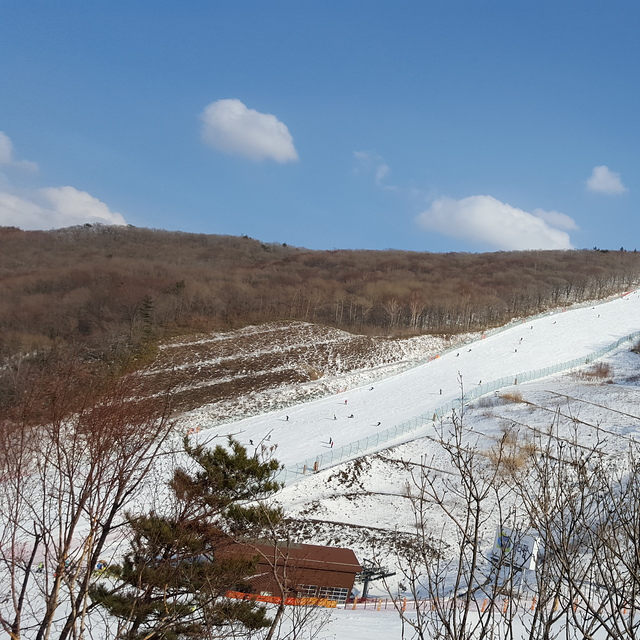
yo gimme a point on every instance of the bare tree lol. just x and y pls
(79, 450)
(586, 506)
(447, 571)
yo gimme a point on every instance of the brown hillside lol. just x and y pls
(117, 289)
(257, 369)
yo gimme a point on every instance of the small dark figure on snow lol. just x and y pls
(345, 401)
(440, 391)
(351, 416)
(457, 354)
(287, 417)
(334, 416)
(378, 424)
(251, 442)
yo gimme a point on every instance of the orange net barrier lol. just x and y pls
(298, 602)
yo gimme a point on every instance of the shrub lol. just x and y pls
(513, 396)
(511, 454)
(599, 371)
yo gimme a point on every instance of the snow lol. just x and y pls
(533, 344)
(362, 624)
(371, 497)
(368, 495)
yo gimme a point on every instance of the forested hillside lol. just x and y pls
(116, 289)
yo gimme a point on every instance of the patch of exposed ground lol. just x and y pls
(226, 376)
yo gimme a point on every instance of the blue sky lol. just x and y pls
(427, 126)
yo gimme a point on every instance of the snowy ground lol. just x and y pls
(357, 503)
(221, 377)
(306, 430)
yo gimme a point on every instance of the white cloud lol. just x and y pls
(556, 219)
(49, 208)
(603, 180)
(6, 149)
(375, 164)
(6, 155)
(230, 127)
(382, 172)
(53, 208)
(483, 219)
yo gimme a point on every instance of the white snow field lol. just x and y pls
(532, 344)
(305, 431)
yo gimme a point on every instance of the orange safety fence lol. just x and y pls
(298, 602)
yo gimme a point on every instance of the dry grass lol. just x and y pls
(600, 371)
(511, 454)
(509, 434)
(513, 396)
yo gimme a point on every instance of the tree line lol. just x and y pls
(117, 289)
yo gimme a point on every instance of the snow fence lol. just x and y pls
(370, 443)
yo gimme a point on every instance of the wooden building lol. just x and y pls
(299, 570)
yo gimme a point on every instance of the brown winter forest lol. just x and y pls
(114, 290)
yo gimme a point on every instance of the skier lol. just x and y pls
(345, 401)
(287, 417)
(440, 391)
(334, 416)
(351, 416)
(251, 442)
(378, 424)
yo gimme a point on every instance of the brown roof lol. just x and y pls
(303, 556)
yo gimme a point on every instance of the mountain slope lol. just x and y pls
(363, 502)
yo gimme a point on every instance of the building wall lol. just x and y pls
(314, 583)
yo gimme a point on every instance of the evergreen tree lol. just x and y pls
(172, 583)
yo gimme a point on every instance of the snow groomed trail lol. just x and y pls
(305, 432)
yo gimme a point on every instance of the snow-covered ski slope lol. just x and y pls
(305, 431)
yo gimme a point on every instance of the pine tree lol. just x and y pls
(173, 580)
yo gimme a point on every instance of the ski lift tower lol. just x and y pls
(370, 572)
